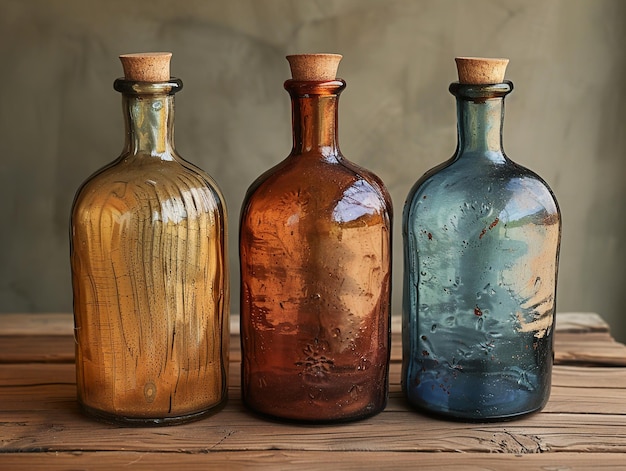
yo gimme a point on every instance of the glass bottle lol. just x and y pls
(481, 244)
(315, 269)
(149, 269)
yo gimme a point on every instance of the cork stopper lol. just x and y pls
(147, 66)
(314, 67)
(480, 71)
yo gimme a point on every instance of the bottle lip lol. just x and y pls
(314, 87)
(133, 87)
(472, 91)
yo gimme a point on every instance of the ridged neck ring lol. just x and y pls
(472, 92)
(303, 88)
(131, 87)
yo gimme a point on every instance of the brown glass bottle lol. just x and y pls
(149, 271)
(315, 271)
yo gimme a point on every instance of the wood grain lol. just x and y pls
(582, 427)
(346, 461)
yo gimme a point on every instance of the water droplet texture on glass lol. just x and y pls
(481, 241)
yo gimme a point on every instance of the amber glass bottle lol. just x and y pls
(315, 269)
(149, 270)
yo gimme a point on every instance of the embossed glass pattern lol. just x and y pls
(148, 235)
(481, 242)
(315, 275)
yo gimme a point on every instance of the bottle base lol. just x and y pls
(472, 417)
(115, 419)
(473, 395)
(282, 418)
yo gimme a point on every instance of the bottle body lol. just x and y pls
(315, 285)
(149, 274)
(481, 241)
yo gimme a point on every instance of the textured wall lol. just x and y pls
(60, 119)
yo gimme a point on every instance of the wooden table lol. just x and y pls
(41, 427)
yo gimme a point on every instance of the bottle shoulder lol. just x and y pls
(141, 183)
(339, 189)
(326, 178)
(507, 188)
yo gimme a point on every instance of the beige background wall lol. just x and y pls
(60, 119)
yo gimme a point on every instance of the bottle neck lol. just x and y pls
(149, 117)
(314, 117)
(480, 116)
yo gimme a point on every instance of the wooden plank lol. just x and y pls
(42, 374)
(598, 349)
(562, 376)
(580, 322)
(594, 348)
(36, 374)
(586, 329)
(585, 377)
(575, 389)
(63, 428)
(44, 349)
(38, 411)
(587, 401)
(309, 461)
(38, 399)
(59, 323)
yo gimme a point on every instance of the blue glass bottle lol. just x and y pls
(481, 242)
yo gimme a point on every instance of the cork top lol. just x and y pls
(480, 70)
(147, 66)
(314, 67)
